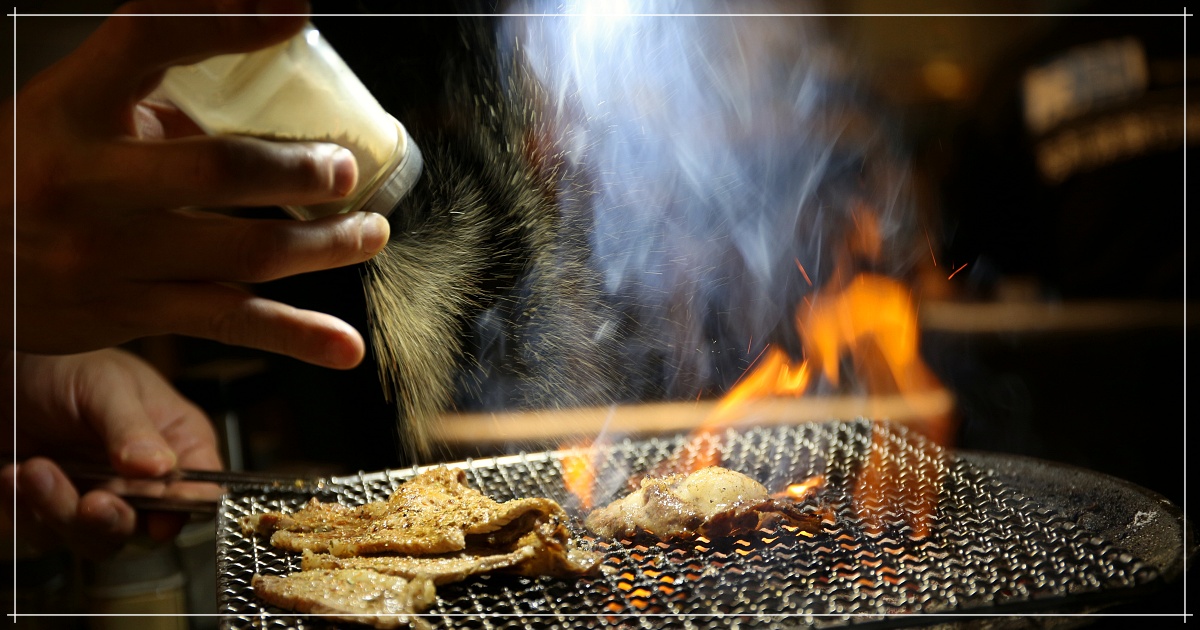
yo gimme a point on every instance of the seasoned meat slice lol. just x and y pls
(355, 595)
(555, 553)
(432, 513)
(370, 563)
(439, 569)
(714, 502)
(545, 550)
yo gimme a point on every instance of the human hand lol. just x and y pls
(108, 408)
(109, 245)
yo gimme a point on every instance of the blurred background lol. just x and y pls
(1047, 158)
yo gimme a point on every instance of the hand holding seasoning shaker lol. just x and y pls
(111, 239)
(301, 90)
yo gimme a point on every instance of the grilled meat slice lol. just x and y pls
(714, 502)
(432, 513)
(448, 531)
(355, 595)
(439, 569)
(544, 550)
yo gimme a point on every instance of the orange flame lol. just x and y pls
(868, 318)
(873, 320)
(775, 375)
(805, 489)
(579, 474)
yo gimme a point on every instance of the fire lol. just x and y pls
(863, 320)
(579, 475)
(873, 320)
(867, 317)
(775, 374)
(805, 489)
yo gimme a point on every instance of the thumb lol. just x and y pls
(141, 454)
(135, 446)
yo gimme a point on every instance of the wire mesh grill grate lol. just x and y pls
(906, 528)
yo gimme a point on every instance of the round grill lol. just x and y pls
(906, 528)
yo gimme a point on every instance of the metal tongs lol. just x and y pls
(202, 495)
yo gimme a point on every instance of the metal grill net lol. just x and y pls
(989, 548)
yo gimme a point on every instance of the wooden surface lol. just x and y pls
(1036, 317)
(582, 423)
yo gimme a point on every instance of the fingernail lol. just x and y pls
(105, 514)
(342, 352)
(345, 171)
(375, 232)
(149, 456)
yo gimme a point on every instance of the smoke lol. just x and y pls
(626, 207)
(725, 153)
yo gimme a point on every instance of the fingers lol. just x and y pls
(135, 445)
(25, 528)
(124, 57)
(218, 171)
(234, 317)
(50, 513)
(147, 426)
(95, 524)
(159, 120)
(194, 246)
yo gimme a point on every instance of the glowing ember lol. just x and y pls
(805, 489)
(803, 272)
(881, 488)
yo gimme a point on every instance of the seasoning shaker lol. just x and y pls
(301, 90)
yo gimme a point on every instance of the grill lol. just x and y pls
(1008, 536)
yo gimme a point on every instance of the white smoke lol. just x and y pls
(725, 149)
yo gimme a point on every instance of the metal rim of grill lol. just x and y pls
(1008, 535)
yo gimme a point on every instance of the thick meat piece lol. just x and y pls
(432, 513)
(355, 595)
(714, 502)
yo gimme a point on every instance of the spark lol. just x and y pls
(930, 243)
(757, 357)
(803, 272)
(750, 368)
(956, 271)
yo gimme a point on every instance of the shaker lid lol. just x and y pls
(400, 181)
